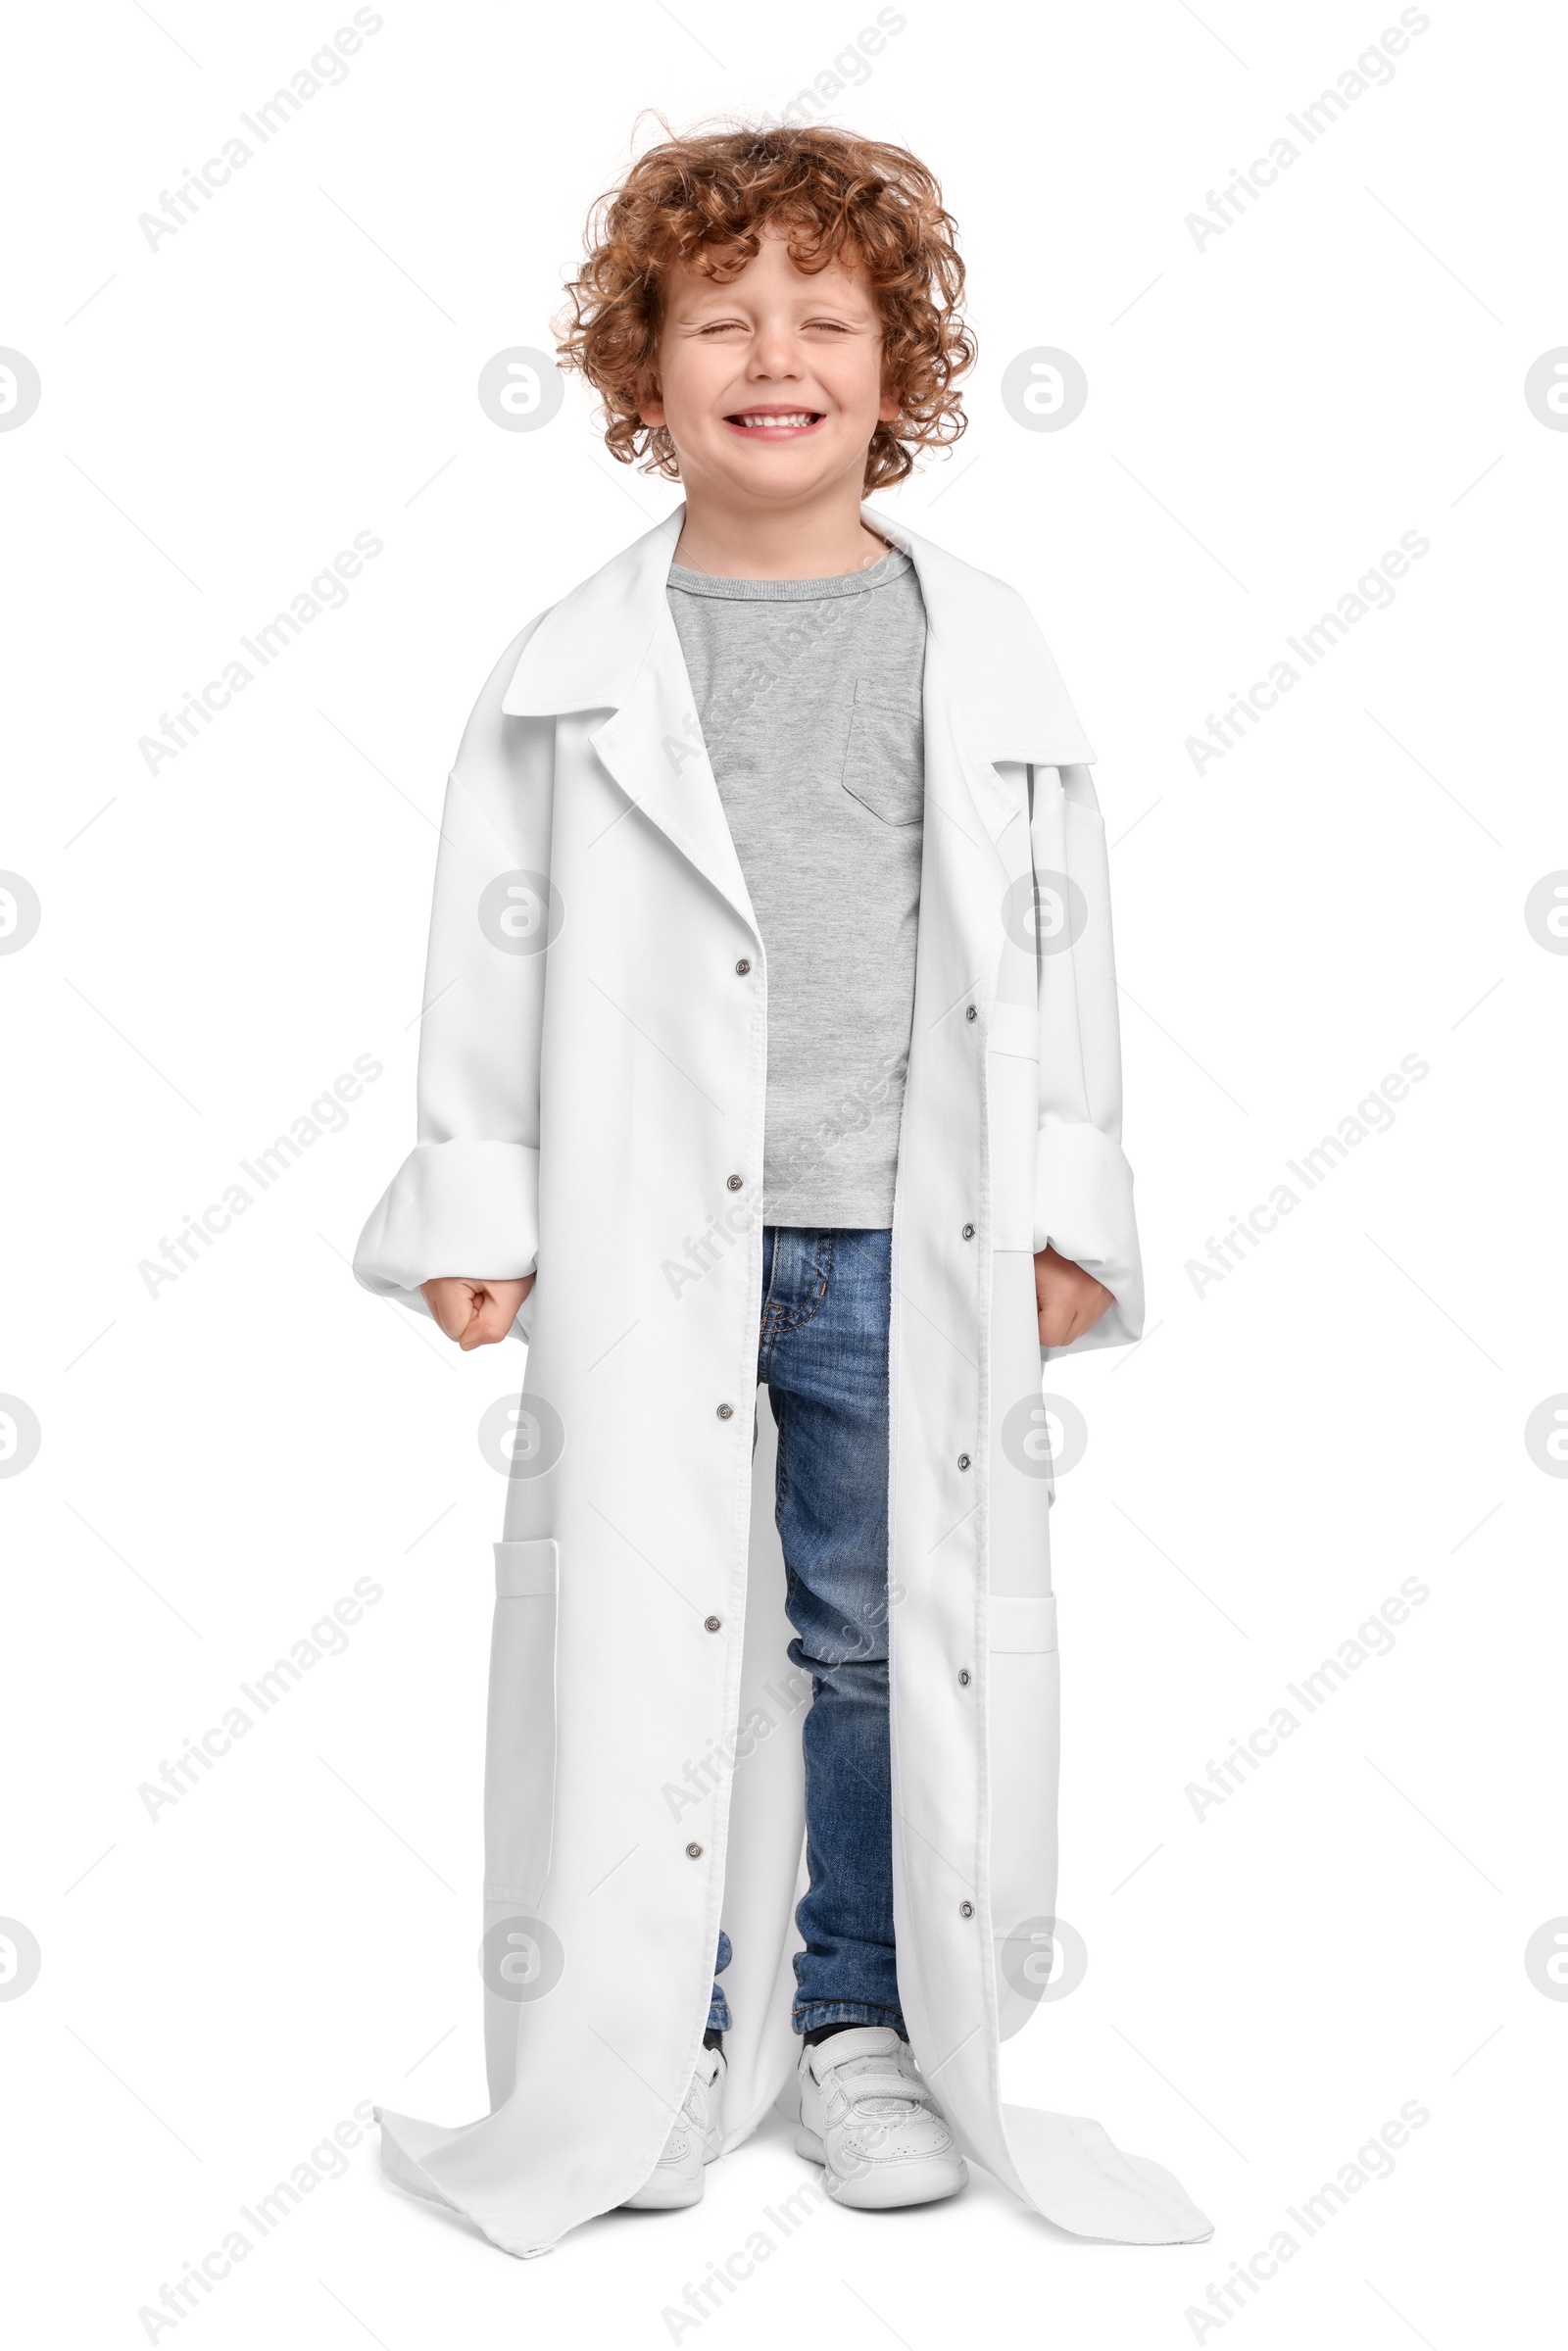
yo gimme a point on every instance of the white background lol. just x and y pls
(219, 1462)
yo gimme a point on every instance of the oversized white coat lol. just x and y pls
(592, 1075)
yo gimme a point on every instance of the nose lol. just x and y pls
(776, 353)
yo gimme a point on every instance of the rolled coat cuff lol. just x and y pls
(463, 1207)
(1084, 1209)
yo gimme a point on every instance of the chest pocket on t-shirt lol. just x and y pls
(884, 758)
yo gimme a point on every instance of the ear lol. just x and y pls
(646, 392)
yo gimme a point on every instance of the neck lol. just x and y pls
(813, 540)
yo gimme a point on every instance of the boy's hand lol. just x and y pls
(1069, 1300)
(472, 1312)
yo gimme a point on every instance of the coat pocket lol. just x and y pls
(1025, 1745)
(520, 1766)
(884, 757)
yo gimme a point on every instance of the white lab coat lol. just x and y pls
(592, 1072)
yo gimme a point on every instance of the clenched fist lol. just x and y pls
(473, 1313)
(1069, 1300)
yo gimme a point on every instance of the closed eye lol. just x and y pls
(720, 326)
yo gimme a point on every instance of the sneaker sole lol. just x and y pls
(925, 2181)
(670, 2193)
(666, 2195)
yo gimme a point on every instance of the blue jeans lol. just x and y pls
(822, 1348)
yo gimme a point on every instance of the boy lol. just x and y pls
(770, 1041)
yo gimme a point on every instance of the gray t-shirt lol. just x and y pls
(808, 696)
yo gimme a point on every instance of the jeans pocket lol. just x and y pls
(884, 757)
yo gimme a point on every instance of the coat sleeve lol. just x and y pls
(466, 1201)
(1082, 1184)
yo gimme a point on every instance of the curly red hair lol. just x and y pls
(703, 200)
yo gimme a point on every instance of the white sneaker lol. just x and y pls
(677, 2177)
(872, 2124)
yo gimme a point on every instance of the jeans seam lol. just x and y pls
(824, 1263)
(764, 1335)
(781, 1471)
(783, 1319)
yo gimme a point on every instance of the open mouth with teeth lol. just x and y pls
(774, 423)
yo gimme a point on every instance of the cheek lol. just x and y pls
(692, 381)
(858, 382)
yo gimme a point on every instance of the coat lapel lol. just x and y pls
(611, 646)
(992, 690)
(992, 687)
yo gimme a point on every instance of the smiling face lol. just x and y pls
(770, 386)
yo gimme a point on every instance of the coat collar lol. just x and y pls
(990, 695)
(588, 651)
